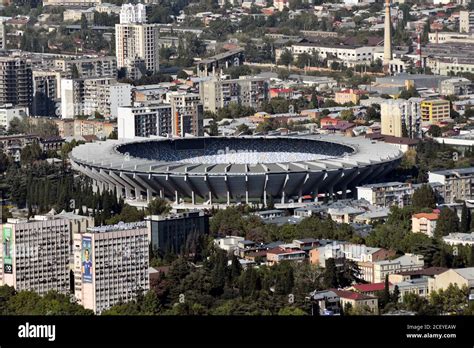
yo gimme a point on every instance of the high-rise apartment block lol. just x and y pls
(111, 265)
(35, 254)
(88, 96)
(188, 114)
(248, 91)
(46, 92)
(130, 13)
(144, 121)
(137, 48)
(401, 118)
(15, 81)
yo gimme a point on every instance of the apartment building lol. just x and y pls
(111, 265)
(457, 184)
(88, 96)
(8, 112)
(79, 127)
(175, 233)
(349, 96)
(348, 55)
(137, 47)
(75, 14)
(144, 121)
(357, 300)
(459, 238)
(456, 86)
(466, 21)
(277, 255)
(15, 81)
(386, 194)
(401, 118)
(407, 262)
(449, 65)
(434, 111)
(72, 3)
(46, 92)
(130, 13)
(188, 114)
(86, 67)
(424, 223)
(3, 37)
(459, 276)
(35, 254)
(217, 93)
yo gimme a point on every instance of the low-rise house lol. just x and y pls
(459, 238)
(229, 243)
(349, 96)
(458, 276)
(278, 255)
(370, 289)
(345, 215)
(306, 244)
(327, 301)
(318, 256)
(418, 287)
(270, 214)
(429, 272)
(370, 217)
(357, 300)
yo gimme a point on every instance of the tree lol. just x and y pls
(330, 274)
(159, 206)
(291, 311)
(84, 24)
(150, 304)
(396, 294)
(213, 128)
(471, 257)
(435, 131)
(303, 60)
(424, 197)
(347, 115)
(465, 224)
(386, 292)
(286, 58)
(113, 134)
(447, 223)
(182, 75)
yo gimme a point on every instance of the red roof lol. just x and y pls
(351, 295)
(281, 90)
(428, 216)
(370, 287)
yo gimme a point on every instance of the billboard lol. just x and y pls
(87, 260)
(7, 243)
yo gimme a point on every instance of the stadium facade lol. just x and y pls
(209, 170)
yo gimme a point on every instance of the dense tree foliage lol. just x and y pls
(30, 303)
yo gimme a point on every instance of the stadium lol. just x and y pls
(209, 170)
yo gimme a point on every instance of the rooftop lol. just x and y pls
(121, 226)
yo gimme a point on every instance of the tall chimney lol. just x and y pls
(387, 43)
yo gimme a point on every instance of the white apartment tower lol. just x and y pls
(133, 14)
(137, 46)
(35, 254)
(111, 265)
